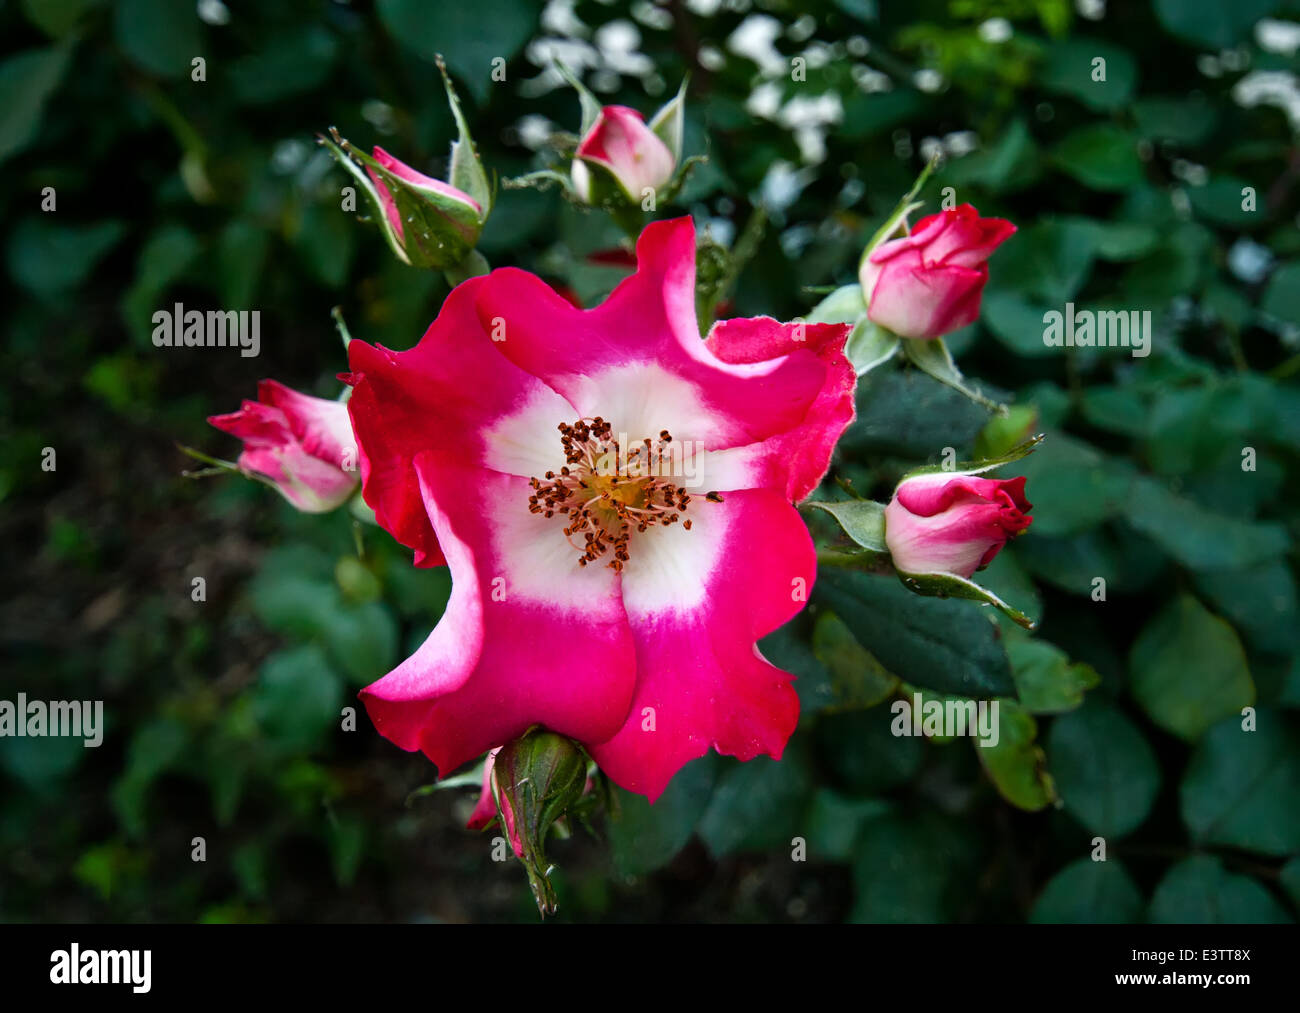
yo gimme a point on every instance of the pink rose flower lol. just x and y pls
(929, 283)
(953, 523)
(621, 142)
(613, 497)
(301, 445)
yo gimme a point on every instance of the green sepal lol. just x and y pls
(949, 585)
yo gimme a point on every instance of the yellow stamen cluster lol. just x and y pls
(607, 491)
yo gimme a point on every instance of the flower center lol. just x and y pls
(609, 489)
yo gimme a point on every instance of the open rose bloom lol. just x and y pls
(301, 445)
(953, 523)
(613, 496)
(930, 282)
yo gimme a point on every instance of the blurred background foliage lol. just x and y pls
(224, 715)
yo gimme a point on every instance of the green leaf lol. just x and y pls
(1212, 24)
(1101, 157)
(1187, 669)
(155, 748)
(863, 520)
(166, 256)
(1106, 773)
(904, 412)
(980, 467)
(1047, 262)
(160, 36)
(1200, 891)
(49, 258)
(843, 306)
(1219, 202)
(1088, 893)
(940, 644)
(863, 755)
(1289, 877)
(950, 585)
(1068, 67)
(361, 638)
(1258, 600)
(1120, 240)
(466, 173)
(757, 805)
(470, 36)
(297, 699)
(1282, 297)
(1072, 485)
(933, 358)
(1016, 764)
(346, 837)
(27, 80)
(668, 124)
(57, 18)
(41, 762)
(1010, 163)
(1242, 788)
(858, 679)
(1181, 120)
(642, 836)
(869, 345)
(1116, 410)
(1004, 433)
(834, 821)
(1047, 682)
(912, 869)
(1017, 323)
(1196, 537)
(289, 63)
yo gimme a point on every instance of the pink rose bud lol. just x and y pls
(929, 283)
(427, 222)
(953, 523)
(448, 219)
(536, 779)
(485, 812)
(633, 153)
(301, 445)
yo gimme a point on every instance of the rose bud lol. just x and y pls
(485, 812)
(448, 219)
(301, 445)
(623, 145)
(638, 158)
(427, 222)
(929, 283)
(953, 523)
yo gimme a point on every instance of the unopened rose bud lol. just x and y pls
(427, 222)
(622, 158)
(536, 779)
(622, 145)
(301, 445)
(929, 283)
(954, 524)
